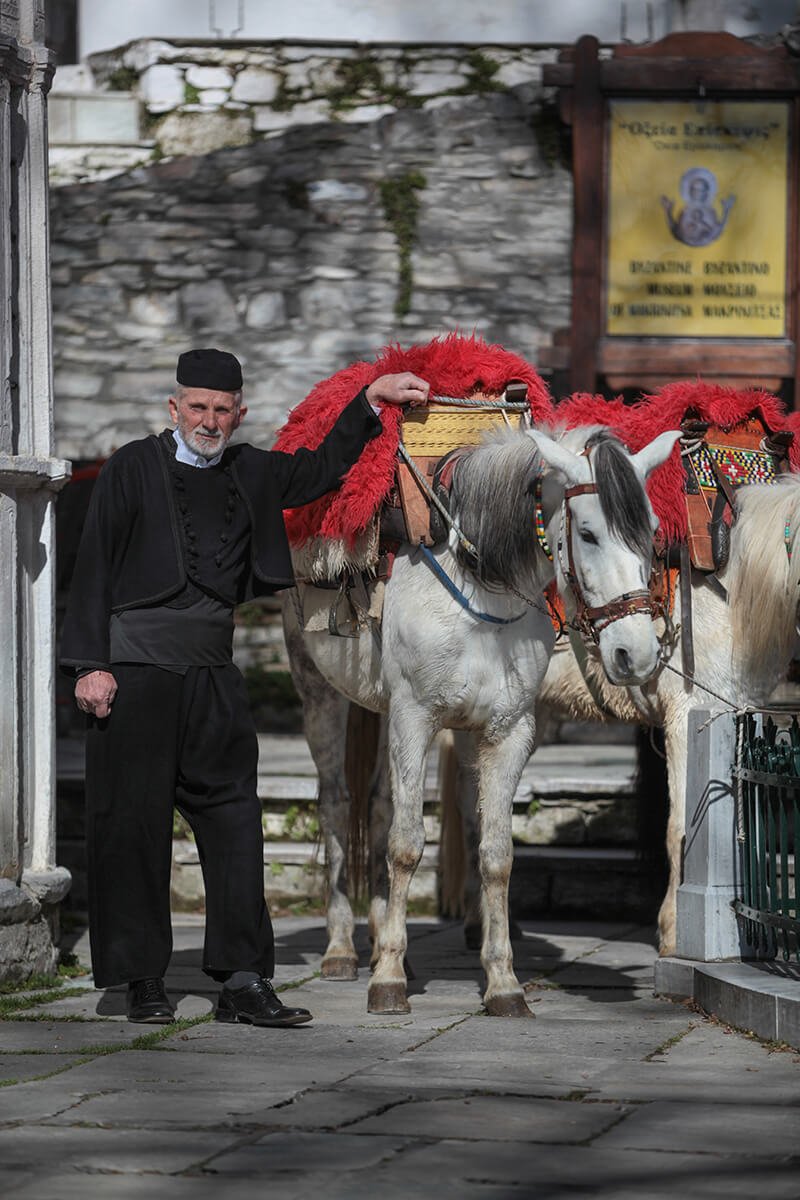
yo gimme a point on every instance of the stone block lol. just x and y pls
(27, 949)
(366, 112)
(128, 384)
(208, 77)
(198, 133)
(434, 79)
(266, 309)
(70, 384)
(15, 904)
(178, 270)
(208, 306)
(155, 308)
(162, 87)
(336, 191)
(267, 120)
(255, 86)
(246, 177)
(47, 887)
(673, 977)
(146, 53)
(211, 98)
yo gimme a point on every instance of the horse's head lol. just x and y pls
(601, 526)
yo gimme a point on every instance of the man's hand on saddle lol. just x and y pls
(405, 388)
(95, 692)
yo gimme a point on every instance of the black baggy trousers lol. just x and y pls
(185, 741)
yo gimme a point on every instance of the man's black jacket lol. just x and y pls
(131, 554)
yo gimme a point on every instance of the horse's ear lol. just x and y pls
(656, 452)
(569, 465)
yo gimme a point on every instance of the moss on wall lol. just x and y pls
(401, 208)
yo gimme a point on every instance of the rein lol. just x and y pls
(455, 591)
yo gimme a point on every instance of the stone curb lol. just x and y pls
(747, 996)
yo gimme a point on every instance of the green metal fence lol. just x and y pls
(767, 771)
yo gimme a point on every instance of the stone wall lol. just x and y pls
(376, 195)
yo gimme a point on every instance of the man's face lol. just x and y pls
(206, 419)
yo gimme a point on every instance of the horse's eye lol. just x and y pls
(588, 537)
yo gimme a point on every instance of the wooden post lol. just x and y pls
(588, 162)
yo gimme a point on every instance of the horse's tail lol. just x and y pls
(361, 752)
(452, 855)
(763, 578)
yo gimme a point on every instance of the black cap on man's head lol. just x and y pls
(216, 370)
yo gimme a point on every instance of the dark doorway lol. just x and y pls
(61, 30)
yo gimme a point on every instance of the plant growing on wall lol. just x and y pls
(401, 208)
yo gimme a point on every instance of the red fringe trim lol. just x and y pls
(639, 423)
(453, 365)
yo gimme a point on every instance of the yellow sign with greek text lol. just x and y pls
(697, 218)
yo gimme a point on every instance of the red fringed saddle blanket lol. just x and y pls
(731, 437)
(454, 366)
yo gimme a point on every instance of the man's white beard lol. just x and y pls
(205, 446)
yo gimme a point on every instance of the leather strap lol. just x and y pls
(687, 640)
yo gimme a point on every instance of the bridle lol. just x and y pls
(591, 620)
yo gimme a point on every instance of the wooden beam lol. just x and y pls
(588, 136)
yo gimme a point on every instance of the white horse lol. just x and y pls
(743, 647)
(742, 650)
(472, 653)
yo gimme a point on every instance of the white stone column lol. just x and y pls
(707, 927)
(31, 884)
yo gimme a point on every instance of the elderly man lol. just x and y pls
(182, 528)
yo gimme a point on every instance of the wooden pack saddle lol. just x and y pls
(428, 437)
(716, 462)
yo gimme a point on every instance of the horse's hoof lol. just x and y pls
(512, 1005)
(387, 998)
(473, 937)
(339, 967)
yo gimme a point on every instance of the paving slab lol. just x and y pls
(18, 1067)
(501, 1118)
(64, 1037)
(111, 1150)
(559, 1171)
(709, 1128)
(285, 1150)
(75, 1184)
(610, 1091)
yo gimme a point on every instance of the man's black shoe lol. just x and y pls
(147, 1002)
(257, 1004)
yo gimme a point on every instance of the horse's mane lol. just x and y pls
(493, 496)
(762, 578)
(621, 492)
(494, 505)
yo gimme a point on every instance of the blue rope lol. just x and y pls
(458, 595)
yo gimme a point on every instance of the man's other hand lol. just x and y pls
(399, 389)
(95, 692)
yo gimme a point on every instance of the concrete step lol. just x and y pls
(293, 872)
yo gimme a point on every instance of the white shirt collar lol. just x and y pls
(185, 454)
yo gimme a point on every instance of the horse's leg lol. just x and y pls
(380, 820)
(325, 714)
(410, 736)
(500, 765)
(676, 742)
(467, 792)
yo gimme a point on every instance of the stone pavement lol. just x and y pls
(609, 1092)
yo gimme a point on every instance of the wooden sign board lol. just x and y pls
(685, 160)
